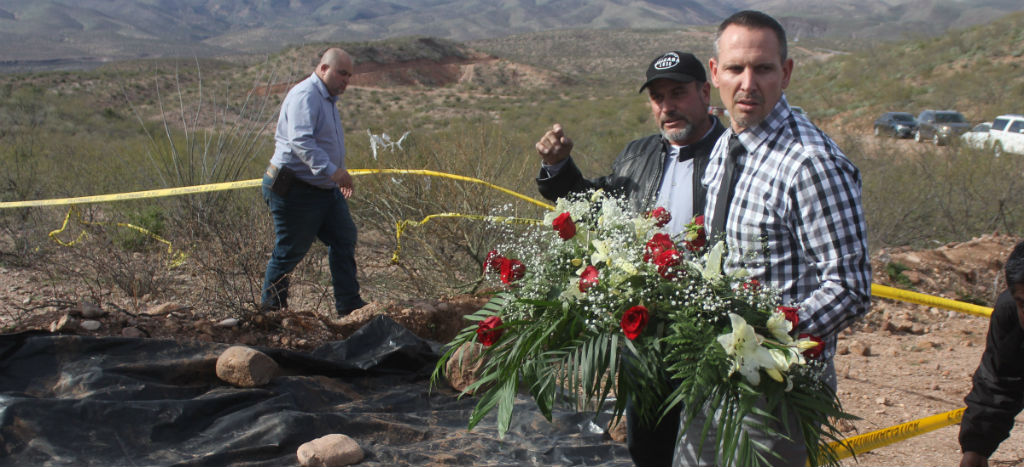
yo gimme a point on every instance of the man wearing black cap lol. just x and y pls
(660, 170)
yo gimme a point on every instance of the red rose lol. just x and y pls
(660, 215)
(665, 261)
(511, 270)
(753, 285)
(657, 244)
(564, 225)
(791, 314)
(813, 352)
(492, 263)
(487, 332)
(696, 237)
(634, 320)
(589, 278)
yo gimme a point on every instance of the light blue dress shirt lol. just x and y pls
(310, 139)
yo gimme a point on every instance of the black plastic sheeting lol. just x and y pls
(84, 401)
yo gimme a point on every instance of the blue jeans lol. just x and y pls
(304, 214)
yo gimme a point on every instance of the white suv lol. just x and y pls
(1005, 135)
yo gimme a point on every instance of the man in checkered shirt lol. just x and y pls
(794, 219)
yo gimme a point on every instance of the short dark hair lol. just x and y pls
(1015, 266)
(755, 20)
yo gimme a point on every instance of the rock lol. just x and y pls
(292, 324)
(245, 367)
(860, 348)
(90, 325)
(911, 259)
(330, 451)
(845, 426)
(132, 332)
(617, 429)
(883, 401)
(90, 310)
(63, 324)
(163, 309)
(227, 323)
(463, 369)
(204, 327)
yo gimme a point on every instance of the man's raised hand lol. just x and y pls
(554, 146)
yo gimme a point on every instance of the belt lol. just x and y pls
(272, 171)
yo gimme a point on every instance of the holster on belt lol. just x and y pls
(283, 179)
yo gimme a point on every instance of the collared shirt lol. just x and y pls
(676, 192)
(796, 222)
(310, 139)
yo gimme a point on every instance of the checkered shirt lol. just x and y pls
(795, 222)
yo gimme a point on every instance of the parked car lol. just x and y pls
(1004, 135)
(940, 126)
(978, 137)
(896, 125)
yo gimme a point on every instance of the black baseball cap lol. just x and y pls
(676, 66)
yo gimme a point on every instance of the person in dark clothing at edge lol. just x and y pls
(998, 393)
(660, 170)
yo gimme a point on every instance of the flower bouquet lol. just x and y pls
(602, 304)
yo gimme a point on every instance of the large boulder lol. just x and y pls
(333, 450)
(463, 369)
(245, 367)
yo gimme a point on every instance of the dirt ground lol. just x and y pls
(902, 362)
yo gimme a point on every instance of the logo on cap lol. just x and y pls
(666, 61)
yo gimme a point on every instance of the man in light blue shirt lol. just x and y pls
(306, 186)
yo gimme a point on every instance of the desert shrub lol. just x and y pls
(444, 255)
(895, 270)
(150, 222)
(925, 195)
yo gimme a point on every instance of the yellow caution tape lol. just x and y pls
(177, 258)
(929, 300)
(402, 225)
(244, 184)
(869, 441)
(185, 190)
(453, 177)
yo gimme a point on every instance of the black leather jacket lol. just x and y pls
(636, 173)
(998, 392)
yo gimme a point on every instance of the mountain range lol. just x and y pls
(55, 34)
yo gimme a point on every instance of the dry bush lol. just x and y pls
(921, 195)
(444, 255)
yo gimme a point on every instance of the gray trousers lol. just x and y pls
(791, 453)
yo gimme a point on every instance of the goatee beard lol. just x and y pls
(677, 136)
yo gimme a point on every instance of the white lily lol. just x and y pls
(784, 359)
(644, 226)
(626, 266)
(744, 346)
(712, 267)
(780, 327)
(805, 344)
(602, 252)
